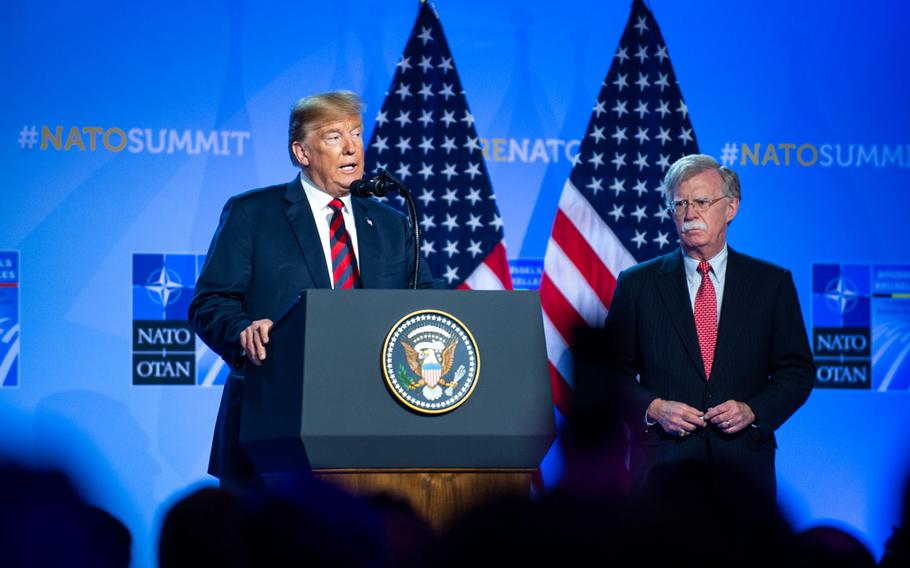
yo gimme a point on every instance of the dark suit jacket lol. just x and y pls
(762, 358)
(265, 251)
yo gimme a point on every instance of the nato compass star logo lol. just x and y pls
(841, 294)
(164, 286)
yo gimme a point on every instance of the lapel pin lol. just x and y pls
(369, 222)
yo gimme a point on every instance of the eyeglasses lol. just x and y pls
(701, 205)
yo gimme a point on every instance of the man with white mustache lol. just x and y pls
(273, 242)
(708, 348)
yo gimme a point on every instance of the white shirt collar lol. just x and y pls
(718, 264)
(319, 199)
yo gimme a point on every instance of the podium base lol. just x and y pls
(439, 496)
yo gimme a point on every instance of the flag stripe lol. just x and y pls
(488, 275)
(573, 286)
(499, 264)
(591, 226)
(482, 279)
(582, 256)
(611, 213)
(557, 350)
(560, 390)
(560, 311)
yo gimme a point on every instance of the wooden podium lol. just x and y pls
(440, 497)
(321, 402)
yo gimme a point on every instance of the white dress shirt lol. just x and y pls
(322, 213)
(717, 274)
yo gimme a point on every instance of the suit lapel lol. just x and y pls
(367, 243)
(734, 309)
(673, 290)
(300, 217)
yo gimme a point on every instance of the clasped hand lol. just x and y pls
(680, 419)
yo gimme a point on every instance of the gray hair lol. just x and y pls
(319, 108)
(693, 164)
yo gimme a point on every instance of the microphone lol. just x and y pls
(380, 186)
(364, 187)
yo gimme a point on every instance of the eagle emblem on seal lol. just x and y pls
(424, 360)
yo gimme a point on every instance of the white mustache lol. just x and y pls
(692, 225)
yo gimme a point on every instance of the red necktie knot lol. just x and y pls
(336, 205)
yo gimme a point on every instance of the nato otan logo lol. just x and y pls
(861, 326)
(430, 362)
(165, 348)
(841, 337)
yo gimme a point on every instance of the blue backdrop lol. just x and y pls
(127, 126)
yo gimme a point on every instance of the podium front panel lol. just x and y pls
(349, 419)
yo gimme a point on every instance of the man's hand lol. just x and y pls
(731, 416)
(675, 418)
(254, 338)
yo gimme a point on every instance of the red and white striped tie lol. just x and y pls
(344, 266)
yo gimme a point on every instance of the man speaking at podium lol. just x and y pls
(273, 242)
(715, 337)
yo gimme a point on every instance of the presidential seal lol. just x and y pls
(430, 362)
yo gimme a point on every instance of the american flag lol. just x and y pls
(425, 136)
(611, 213)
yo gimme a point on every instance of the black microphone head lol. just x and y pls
(361, 188)
(380, 186)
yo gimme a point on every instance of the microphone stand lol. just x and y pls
(412, 213)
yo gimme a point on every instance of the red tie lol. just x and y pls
(344, 266)
(706, 317)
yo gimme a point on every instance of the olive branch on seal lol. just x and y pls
(404, 377)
